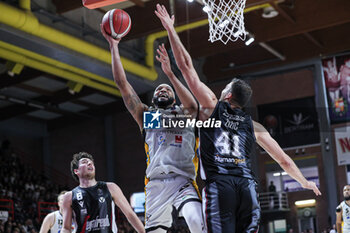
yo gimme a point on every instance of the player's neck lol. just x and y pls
(347, 202)
(232, 105)
(164, 107)
(85, 183)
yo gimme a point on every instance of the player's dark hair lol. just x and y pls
(74, 164)
(241, 92)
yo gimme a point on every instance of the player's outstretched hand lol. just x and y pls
(164, 17)
(163, 58)
(109, 38)
(312, 186)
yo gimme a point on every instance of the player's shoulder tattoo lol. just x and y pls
(132, 101)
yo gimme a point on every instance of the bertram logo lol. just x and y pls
(153, 120)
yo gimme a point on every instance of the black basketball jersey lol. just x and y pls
(93, 209)
(227, 150)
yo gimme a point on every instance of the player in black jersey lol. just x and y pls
(92, 203)
(230, 199)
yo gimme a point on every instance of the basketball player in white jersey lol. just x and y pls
(53, 221)
(343, 212)
(171, 169)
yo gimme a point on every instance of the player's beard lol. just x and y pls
(162, 103)
(90, 175)
(347, 198)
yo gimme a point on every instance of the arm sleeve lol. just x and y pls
(338, 209)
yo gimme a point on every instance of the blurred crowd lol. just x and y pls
(26, 187)
(23, 185)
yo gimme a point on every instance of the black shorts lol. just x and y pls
(230, 205)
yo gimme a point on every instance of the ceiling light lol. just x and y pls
(72, 92)
(206, 9)
(249, 41)
(280, 173)
(189, 0)
(10, 73)
(269, 12)
(305, 203)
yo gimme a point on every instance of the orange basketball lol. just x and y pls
(116, 23)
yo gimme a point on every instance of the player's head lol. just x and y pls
(163, 96)
(237, 92)
(346, 192)
(82, 166)
(60, 199)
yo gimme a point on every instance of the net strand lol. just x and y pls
(226, 20)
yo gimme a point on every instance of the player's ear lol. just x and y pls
(76, 171)
(228, 96)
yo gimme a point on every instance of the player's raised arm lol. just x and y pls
(203, 94)
(264, 139)
(67, 213)
(120, 200)
(130, 97)
(187, 100)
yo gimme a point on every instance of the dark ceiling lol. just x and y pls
(303, 29)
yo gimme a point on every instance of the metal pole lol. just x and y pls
(326, 141)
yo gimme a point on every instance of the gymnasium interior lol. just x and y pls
(58, 97)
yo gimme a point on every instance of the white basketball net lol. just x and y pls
(226, 20)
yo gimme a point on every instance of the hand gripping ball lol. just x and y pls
(116, 23)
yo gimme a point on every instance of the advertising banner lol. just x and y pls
(337, 78)
(291, 123)
(342, 141)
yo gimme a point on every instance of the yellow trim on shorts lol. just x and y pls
(195, 159)
(147, 163)
(146, 179)
(196, 163)
(194, 183)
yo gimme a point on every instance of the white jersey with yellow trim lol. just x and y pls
(57, 226)
(170, 150)
(345, 208)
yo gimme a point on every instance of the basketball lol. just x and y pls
(116, 23)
